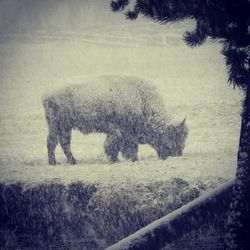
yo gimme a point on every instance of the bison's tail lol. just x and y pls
(51, 112)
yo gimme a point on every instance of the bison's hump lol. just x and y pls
(120, 94)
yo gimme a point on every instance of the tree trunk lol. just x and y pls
(238, 224)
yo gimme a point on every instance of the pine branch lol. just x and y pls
(227, 21)
(198, 36)
(132, 15)
(193, 39)
(119, 5)
(237, 61)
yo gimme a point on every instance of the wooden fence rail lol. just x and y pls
(174, 225)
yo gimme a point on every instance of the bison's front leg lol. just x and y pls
(129, 148)
(125, 143)
(112, 147)
(64, 138)
(113, 142)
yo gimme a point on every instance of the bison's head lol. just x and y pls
(171, 142)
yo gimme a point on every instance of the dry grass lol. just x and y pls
(80, 216)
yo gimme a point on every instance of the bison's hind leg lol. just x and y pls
(64, 138)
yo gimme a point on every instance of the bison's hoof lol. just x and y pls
(134, 159)
(72, 162)
(113, 160)
(52, 162)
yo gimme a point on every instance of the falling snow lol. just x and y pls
(193, 84)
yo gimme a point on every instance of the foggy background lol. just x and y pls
(48, 44)
(52, 15)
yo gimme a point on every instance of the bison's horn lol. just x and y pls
(183, 122)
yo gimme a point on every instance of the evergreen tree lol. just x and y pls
(227, 21)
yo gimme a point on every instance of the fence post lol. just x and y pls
(172, 226)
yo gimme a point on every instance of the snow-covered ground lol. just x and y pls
(193, 83)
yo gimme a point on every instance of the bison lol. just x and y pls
(127, 109)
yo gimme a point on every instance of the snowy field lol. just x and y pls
(193, 83)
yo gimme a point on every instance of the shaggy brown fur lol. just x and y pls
(128, 109)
